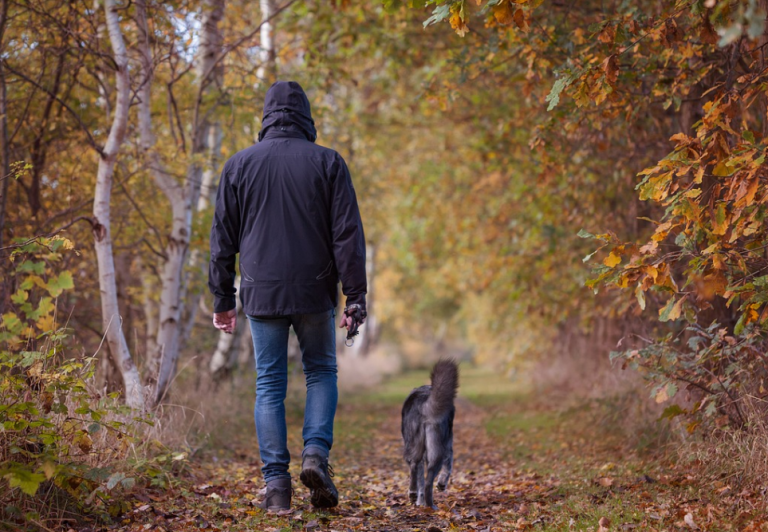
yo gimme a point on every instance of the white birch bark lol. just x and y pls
(182, 197)
(226, 349)
(111, 319)
(266, 70)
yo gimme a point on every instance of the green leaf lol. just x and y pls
(640, 295)
(114, 479)
(20, 297)
(25, 480)
(439, 14)
(666, 310)
(29, 266)
(584, 234)
(739, 327)
(672, 411)
(554, 95)
(63, 282)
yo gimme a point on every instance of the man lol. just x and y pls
(287, 206)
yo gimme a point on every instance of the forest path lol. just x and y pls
(520, 464)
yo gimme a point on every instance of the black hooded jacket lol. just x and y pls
(289, 208)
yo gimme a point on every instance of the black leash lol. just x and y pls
(358, 314)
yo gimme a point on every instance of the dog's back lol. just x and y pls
(427, 428)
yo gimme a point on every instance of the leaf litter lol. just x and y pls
(520, 478)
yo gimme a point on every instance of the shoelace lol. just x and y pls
(329, 467)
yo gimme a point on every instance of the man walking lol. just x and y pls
(288, 207)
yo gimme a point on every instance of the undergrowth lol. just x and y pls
(66, 450)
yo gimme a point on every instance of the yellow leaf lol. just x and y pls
(612, 260)
(458, 24)
(676, 310)
(49, 468)
(681, 138)
(84, 442)
(46, 323)
(722, 170)
(693, 193)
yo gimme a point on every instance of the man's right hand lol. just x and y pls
(225, 321)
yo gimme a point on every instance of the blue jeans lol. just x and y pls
(317, 339)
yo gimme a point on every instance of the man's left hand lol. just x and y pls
(348, 322)
(226, 321)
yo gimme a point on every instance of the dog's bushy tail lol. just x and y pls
(445, 382)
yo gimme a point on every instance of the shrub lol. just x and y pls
(62, 445)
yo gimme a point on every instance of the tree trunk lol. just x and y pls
(6, 167)
(368, 331)
(183, 199)
(267, 71)
(150, 319)
(226, 355)
(224, 358)
(111, 319)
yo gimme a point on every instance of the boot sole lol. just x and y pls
(321, 496)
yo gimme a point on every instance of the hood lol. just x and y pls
(286, 108)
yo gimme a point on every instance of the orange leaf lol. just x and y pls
(503, 13)
(611, 68)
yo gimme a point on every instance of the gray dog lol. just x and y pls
(427, 426)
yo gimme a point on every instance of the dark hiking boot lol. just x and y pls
(278, 495)
(316, 475)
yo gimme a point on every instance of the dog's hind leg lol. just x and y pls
(432, 469)
(416, 471)
(417, 482)
(435, 454)
(445, 471)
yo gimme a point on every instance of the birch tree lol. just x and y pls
(183, 197)
(111, 319)
(229, 346)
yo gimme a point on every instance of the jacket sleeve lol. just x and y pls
(347, 234)
(225, 243)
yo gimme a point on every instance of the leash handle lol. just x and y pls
(358, 315)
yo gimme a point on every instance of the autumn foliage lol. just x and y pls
(620, 80)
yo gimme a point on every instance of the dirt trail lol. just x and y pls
(486, 491)
(517, 467)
